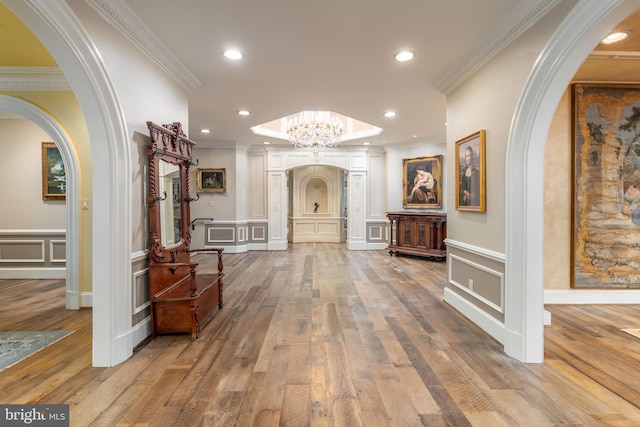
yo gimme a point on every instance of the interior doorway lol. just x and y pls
(317, 204)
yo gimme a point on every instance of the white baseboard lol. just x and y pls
(141, 331)
(591, 296)
(86, 299)
(359, 245)
(489, 324)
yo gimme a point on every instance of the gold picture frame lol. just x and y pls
(212, 180)
(422, 182)
(54, 183)
(471, 173)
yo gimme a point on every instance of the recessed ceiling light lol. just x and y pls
(615, 37)
(390, 114)
(266, 142)
(243, 112)
(233, 54)
(404, 56)
(205, 131)
(366, 143)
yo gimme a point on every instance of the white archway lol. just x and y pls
(583, 28)
(57, 134)
(56, 26)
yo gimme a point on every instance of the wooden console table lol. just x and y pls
(418, 233)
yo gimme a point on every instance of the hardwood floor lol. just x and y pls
(321, 336)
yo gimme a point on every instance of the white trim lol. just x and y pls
(227, 249)
(139, 256)
(135, 308)
(526, 14)
(33, 79)
(357, 245)
(12, 260)
(141, 331)
(32, 232)
(86, 299)
(488, 323)
(592, 296)
(211, 229)
(476, 250)
(499, 275)
(380, 228)
(53, 242)
(121, 17)
(262, 227)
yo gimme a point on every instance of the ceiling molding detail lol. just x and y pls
(523, 17)
(33, 79)
(119, 15)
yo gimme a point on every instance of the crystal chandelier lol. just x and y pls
(315, 129)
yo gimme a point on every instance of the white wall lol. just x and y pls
(394, 157)
(21, 175)
(145, 92)
(487, 100)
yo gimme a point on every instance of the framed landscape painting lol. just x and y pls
(54, 183)
(212, 180)
(606, 186)
(422, 182)
(470, 173)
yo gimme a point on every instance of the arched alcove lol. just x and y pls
(316, 196)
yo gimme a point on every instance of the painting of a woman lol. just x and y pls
(469, 181)
(470, 173)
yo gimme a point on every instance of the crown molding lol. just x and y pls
(33, 79)
(523, 17)
(119, 15)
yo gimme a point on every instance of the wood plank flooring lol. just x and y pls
(321, 336)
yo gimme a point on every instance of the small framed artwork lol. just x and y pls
(54, 183)
(212, 180)
(422, 182)
(470, 173)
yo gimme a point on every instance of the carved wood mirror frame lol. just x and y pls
(169, 144)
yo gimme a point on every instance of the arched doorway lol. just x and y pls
(59, 137)
(55, 26)
(583, 28)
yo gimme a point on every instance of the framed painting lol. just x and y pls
(470, 173)
(605, 186)
(212, 180)
(422, 182)
(54, 184)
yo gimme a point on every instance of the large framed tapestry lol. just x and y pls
(606, 186)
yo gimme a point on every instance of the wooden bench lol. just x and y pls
(182, 299)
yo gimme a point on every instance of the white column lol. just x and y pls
(277, 216)
(357, 210)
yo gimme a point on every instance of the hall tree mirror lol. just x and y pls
(182, 299)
